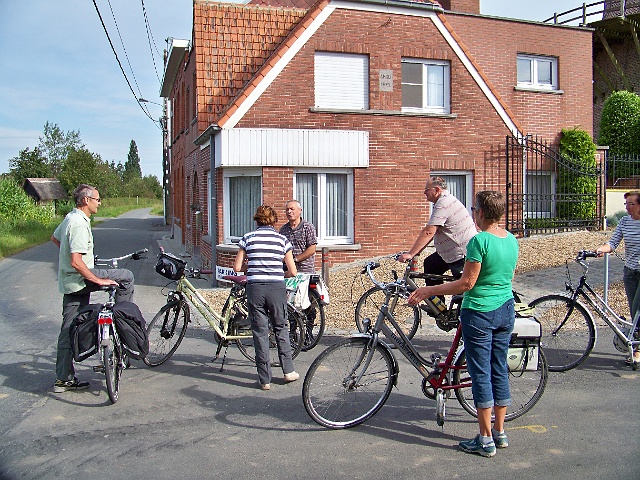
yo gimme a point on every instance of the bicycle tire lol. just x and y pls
(314, 321)
(571, 345)
(368, 306)
(332, 402)
(525, 387)
(296, 338)
(111, 362)
(166, 331)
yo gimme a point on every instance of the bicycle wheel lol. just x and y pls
(296, 338)
(112, 368)
(526, 388)
(166, 331)
(368, 306)
(314, 321)
(568, 331)
(341, 391)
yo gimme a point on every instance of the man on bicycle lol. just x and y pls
(450, 226)
(77, 278)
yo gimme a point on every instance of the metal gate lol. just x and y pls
(548, 192)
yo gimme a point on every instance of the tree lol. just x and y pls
(29, 164)
(56, 145)
(81, 166)
(132, 166)
(620, 123)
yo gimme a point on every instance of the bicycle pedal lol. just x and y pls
(98, 368)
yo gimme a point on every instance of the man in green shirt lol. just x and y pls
(77, 278)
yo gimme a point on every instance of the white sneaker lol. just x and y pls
(291, 377)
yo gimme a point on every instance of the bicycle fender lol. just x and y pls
(385, 346)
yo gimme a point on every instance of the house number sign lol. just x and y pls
(386, 80)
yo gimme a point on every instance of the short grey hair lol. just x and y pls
(81, 192)
(438, 182)
(293, 201)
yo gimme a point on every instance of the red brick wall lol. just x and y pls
(495, 43)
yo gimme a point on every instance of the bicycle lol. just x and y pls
(351, 380)
(568, 327)
(113, 355)
(313, 316)
(169, 325)
(407, 316)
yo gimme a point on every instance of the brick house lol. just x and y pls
(349, 106)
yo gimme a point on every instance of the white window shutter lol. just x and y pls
(341, 81)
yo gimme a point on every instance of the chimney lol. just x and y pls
(463, 6)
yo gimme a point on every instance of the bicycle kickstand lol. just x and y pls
(218, 354)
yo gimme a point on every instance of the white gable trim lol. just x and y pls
(477, 77)
(253, 147)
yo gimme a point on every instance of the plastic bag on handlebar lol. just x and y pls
(170, 266)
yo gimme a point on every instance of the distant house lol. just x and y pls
(45, 190)
(349, 105)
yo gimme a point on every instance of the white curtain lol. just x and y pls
(244, 199)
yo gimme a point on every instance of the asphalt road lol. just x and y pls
(188, 419)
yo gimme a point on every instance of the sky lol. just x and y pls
(58, 66)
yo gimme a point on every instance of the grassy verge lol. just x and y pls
(17, 237)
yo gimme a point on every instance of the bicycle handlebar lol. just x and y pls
(583, 254)
(114, 261)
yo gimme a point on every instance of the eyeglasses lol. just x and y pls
(96, 199)
(630, 204)
(429, 188)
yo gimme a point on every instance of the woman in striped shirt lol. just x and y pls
(629, 229)
(265, 250)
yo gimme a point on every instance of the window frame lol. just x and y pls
(552, 190)
(468, 176)
(322, 212)
(446, 108)
(226, 175)
(534, 61)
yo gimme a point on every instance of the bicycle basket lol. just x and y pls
(170, 266)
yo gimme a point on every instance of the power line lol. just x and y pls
(120, 65)
(135, 80)
(150, 39)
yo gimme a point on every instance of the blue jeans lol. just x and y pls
(486, 338)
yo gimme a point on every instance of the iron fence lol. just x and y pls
(549, 193)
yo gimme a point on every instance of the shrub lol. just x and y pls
(16, 206)
(577, 176)
(620, 123)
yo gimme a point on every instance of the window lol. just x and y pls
(539, 195)
(327, 202)
(459, 184)
(242, 195)
(538, 72)
(341, 81)
(425, 86)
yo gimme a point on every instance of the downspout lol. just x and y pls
(209, 136)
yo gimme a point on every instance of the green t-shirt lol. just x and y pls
(498, 257)
(75, 236)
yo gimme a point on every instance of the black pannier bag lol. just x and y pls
(170, 266)
(131, 329)
(84, 332)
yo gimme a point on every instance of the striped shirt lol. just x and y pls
(455, 227)
(629, 229)
(265, 249)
